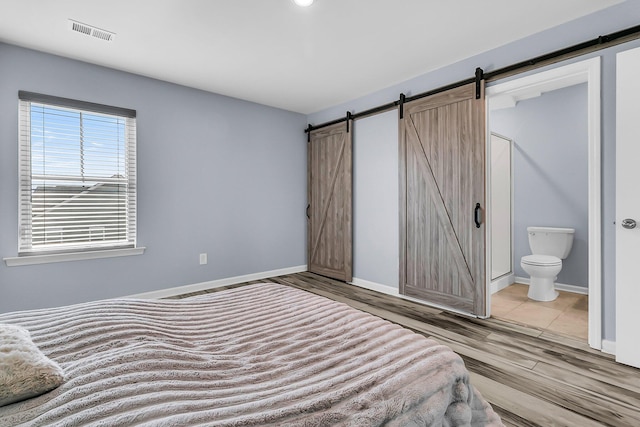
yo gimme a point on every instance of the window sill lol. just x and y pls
(71, 256)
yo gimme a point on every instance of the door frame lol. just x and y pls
(508, 94)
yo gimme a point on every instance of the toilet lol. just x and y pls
(549, 246)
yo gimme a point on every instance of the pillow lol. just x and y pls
(24, 370)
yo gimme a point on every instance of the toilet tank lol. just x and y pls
(551, 241)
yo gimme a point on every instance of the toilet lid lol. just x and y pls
(541, 260)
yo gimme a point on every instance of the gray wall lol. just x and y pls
(215, 175)
(550, 159)
(375, 199)
(624, 15)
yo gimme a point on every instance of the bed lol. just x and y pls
(256, 355)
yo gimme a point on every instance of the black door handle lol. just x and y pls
(308, 207)
(476, 215)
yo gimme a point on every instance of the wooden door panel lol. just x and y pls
(330, 203)
(442, 178)
(431, 232)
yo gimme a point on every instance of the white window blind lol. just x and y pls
(77, 175)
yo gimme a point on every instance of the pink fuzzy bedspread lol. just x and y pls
(252, 356)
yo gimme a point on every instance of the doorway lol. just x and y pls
(509, 94)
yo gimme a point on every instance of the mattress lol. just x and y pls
(256, 355)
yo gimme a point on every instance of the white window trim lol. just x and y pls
(76, 254)
(71, 256)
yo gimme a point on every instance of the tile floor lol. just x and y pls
(567, 315)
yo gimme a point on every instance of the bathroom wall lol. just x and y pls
(550, 154)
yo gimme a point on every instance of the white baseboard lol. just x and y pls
(559, 286)
(394, 291)
(373, 286)
(608, 347)
(170, 292)
(501, 283)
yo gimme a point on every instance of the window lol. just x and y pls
(77, 176)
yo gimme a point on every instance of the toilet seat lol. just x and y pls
(541, 260)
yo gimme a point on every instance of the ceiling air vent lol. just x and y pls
(88, 30)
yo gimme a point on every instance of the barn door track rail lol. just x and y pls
(598, 43)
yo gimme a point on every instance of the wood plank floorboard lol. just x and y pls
(531, 377)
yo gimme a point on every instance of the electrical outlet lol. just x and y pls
(203, 259)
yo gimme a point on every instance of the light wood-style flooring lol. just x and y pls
(531, 376)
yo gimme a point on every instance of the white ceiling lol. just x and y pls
(276, 53)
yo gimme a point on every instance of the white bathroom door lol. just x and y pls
(627, 207)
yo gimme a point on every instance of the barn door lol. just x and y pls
(442, 235)
(329, 247)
